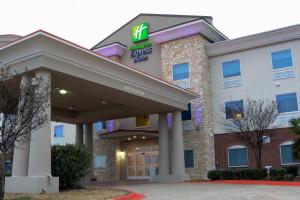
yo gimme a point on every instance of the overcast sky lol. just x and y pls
(86, 22)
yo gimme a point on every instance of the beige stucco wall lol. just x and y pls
(200, 139)
(257, 80)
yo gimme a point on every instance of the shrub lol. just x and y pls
(226, 175)
(288, 177)
(70, 163)
(292, 170)
(239, 174)
(255, 174)
(213, 175)
(277, 174)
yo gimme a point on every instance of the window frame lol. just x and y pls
(282, 68)
(287, 143)
(63, 130)
(97, 169)
(237, 147)
(146, 126)
(231, 77)
(189, 71)
(229, 102)
(193, 160)
(289, 112)
(184, 113)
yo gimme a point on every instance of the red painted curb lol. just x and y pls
(131, 196)
(253, 182)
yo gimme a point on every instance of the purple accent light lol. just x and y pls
(198, 115)
(111, 50)
(169, 117)
(177, 32)
(110, 125)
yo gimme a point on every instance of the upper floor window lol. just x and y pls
(181, 71)
(142, 121)
(282, 59)
(234, 109)
(231, 68)
(189, 158)
(287, 103)
(238, 156)
(99, 126)
(187, 115)
(59, 131)
(286, 154)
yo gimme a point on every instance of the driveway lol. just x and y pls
(208, 191)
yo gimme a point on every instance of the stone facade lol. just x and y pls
(199, 138)
(109, 148)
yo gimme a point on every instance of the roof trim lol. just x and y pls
(253, 41)
(186, 29)
(112, 49)
(149, 14)
(88, 51)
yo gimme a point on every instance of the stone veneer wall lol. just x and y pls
(200, 139)
(109, 148)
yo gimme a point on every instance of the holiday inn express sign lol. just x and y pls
(139, 33)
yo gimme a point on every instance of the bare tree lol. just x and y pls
(252, 123)
(22, 108)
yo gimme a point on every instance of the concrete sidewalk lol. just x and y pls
(207, 191)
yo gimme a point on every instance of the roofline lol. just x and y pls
(150, 14)
(191, 22)
(259, 39)
(67, 42)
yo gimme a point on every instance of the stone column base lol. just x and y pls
(32, 184)
(170, 178)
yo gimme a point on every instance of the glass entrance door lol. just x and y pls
(142, 161)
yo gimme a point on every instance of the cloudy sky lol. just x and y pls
(86, 22)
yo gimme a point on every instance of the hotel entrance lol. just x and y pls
(142, 159)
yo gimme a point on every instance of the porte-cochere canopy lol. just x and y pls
(94, 88)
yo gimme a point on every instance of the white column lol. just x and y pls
(89, 143)
(40, 145)
(178, 168)
(21, 151)
(163, 146)
(79, 133)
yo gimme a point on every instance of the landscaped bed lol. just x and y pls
(82, 194)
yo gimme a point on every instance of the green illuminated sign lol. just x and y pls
(139, 32)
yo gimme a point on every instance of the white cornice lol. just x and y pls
(253, 41)
(191, 28)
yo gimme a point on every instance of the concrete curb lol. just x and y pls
(131, 196)
(252, 182)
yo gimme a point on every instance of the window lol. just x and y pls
(234, 109)
(186, 115)
(282, 59)
(100, 162)
(59, 131)
(99, 126)
(231, 68)
(287, 103)
(181, 71)
(8, 167)
(286, 153)
(189, 158)
(238, 156)
(142, 121)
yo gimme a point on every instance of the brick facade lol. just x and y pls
(191, 50)
(270, 153)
